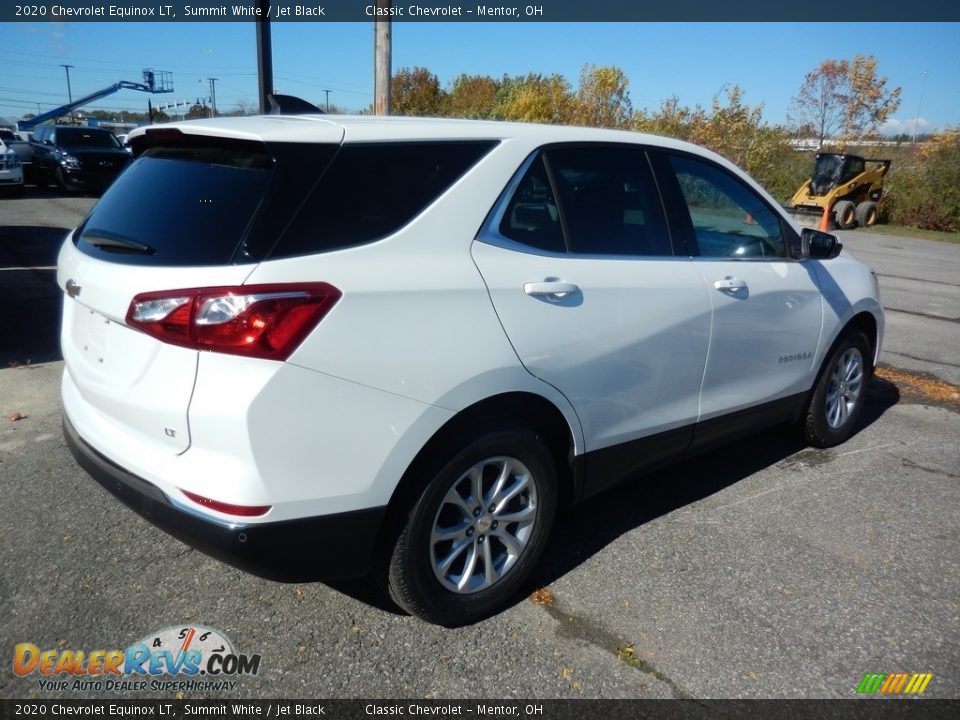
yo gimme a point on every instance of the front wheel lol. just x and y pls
(845, 213)
(61, 182)
(839, 394)
(478, 529)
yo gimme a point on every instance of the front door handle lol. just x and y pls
(551, 288)
(730, 283)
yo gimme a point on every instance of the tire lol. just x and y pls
(61, 181)
(867, 214)
(839, 393)
(456, 560)
(844, 212)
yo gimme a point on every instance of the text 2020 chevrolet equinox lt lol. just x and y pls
(323, 346)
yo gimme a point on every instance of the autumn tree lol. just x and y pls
(603, 98)
(734, 129)
(472, 96)
(416, 92)
(870, 101)
(671, 120)
(534, 98)
(844, 98)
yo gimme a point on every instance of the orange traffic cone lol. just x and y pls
(825, 221)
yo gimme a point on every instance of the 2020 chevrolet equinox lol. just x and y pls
(322, 346)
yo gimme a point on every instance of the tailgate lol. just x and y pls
(141, 385)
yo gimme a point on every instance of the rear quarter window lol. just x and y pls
(371, 190)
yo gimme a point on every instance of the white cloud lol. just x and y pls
(892, 126)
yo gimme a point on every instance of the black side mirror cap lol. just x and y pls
(817, 245)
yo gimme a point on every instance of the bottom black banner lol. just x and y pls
(867, 709)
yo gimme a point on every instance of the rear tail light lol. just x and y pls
(264, 321)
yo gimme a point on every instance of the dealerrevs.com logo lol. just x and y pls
(200, 658)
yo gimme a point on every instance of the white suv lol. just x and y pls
(323, 346)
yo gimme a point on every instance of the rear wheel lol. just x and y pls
(840, 391)
(844, 212)
(867, 214)
(478, 529)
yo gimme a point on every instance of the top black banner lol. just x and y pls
(457, 11)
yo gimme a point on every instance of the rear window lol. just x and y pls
(372, 190)
(179, 206)
(84, 137)
(194, 201)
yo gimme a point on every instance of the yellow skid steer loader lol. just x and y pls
(843, 192)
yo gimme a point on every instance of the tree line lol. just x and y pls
(839, 105)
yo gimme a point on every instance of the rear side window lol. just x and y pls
(532, 217)
(371, 190)
(609, 201)
(597, 199)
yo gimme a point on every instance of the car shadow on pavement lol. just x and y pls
(29, 296)
(604, 518)
(600, 520)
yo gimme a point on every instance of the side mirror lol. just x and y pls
(816, 245)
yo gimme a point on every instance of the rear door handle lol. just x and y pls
(730, 284)
(550, 288)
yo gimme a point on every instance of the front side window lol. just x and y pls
(729, 219)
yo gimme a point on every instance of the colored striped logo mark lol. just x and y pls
(895, 683)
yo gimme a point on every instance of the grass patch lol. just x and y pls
(906, 231)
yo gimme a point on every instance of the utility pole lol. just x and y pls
(213, 95)
(69, 92)
(328, 99)
(382, 52)
(264, 55)
(916, 122)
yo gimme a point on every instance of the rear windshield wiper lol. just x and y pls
(112, 241)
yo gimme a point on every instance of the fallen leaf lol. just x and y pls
(566, 673)
(542, 597)
(14, 416)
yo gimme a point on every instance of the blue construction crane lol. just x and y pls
(154, 81)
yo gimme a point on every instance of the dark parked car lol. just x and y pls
(77, 158)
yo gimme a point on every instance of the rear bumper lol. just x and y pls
(327, 547)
